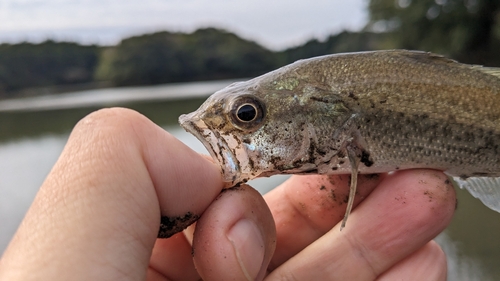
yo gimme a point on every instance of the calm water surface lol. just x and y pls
(31, 141)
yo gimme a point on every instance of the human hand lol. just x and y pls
(96, 217)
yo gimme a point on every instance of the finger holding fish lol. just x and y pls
(401, 214)
(428, 263)
(308, 206)
(235, 237)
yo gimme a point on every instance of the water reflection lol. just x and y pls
(462, 267)
(23, 167)
(21, 124)
(30, 143)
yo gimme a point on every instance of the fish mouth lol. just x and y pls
(216, 145)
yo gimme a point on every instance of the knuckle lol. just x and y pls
(109, 127)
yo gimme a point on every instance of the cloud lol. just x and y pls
(276, 24)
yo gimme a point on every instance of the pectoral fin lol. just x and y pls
(486, 189)
(354, 159)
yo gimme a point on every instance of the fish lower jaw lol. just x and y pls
(216, 146)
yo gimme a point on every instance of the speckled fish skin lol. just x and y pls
(368, 112)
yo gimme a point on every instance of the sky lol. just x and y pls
(276, 24)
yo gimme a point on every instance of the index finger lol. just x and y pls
(306, 207)
(98, 212)
(403, 212)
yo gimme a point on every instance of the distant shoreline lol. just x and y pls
(115, 96)
(58, 89)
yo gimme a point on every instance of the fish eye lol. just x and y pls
(247, 113)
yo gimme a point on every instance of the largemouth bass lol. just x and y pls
(369, 112)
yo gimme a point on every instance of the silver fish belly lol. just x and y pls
(369, 112)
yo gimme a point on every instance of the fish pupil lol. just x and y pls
(246, 112)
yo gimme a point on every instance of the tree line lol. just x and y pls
(467, 30)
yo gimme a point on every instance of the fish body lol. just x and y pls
(368, 112)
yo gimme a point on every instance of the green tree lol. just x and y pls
(468, 30)
(49, 63)
(339, 43)
(172, 57)
(223, 54)
(146, 59)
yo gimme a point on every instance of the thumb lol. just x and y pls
(235, 238)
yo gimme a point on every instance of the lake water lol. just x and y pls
(34, 131)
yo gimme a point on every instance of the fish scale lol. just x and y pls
(369, 112)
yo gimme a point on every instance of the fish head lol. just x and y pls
(242, 129)
(226, 123)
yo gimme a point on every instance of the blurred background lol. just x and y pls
(62, 59)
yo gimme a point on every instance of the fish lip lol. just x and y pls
(216, 146)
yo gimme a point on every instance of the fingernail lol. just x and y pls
(248, 245)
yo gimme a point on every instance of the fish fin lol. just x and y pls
(352, 154)
(486, 189)
(495, 71)
(426, 57)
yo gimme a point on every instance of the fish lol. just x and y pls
(359, 113)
